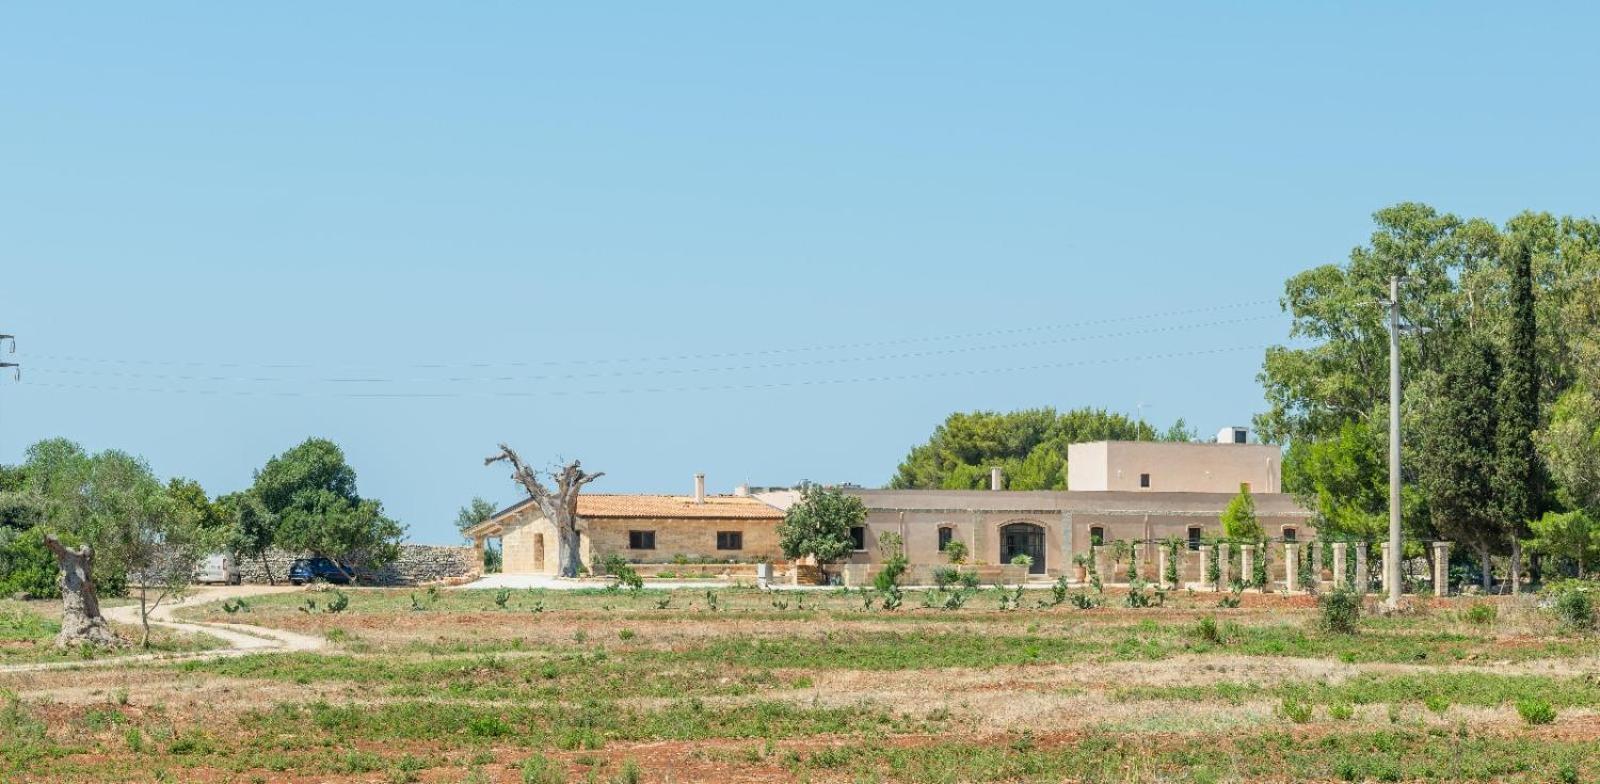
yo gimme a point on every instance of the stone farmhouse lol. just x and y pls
(1138, 492)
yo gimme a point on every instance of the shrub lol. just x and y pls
(501, 597)
(1535, 711)
(28, 568)
(1341, 611)
(618, 567)
(1295, 710)
(1482, 614)
(1575, 607)
(339, 603)
(1206, 629)
(944, 577)
(956, 551)
(1340, 711)
(1022, 559)
(539, 769)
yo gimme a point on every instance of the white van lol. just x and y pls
(217, 568)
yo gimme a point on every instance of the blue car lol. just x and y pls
(305, 570)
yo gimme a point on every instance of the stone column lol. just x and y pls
(1161, 566)
(1222, 566)
(1316, 561)
(1247, 562)
(1291, 553)
(1441, 568)
(1383, 566)
(1340, 549)
(1094, 562)
(1362, 578)
(1205, 560)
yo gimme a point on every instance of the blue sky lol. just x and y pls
(766, 243)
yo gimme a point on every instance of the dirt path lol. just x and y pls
(240, 638)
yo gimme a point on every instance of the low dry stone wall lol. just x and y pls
(418, 563)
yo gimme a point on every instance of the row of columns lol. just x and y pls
(1291, 560)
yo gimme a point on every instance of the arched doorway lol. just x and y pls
(1023, 539)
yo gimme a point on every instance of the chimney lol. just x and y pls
(699, 488)
(997, 479)
(743, 491)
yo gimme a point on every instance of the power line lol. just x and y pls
(657, 390)
(660, 371)
(681, 357)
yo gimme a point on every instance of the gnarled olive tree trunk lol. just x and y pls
(81, 622)
(560, 506)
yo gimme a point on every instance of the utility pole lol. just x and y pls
(16, 369)
(1392, 563)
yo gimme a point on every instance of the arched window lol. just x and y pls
(946, 533)
(1097, 536)
(1195, 532)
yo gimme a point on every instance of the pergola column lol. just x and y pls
(1363, 579)
(1222, 565)
(1247, 562)
(1316, 561)
(1291, 571)
(1441, 568)
(1205, 561)
(1161, 566)
(1339, 551)
(1383, 566)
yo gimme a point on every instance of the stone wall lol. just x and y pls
(418, 563)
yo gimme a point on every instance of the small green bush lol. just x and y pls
(1482, 614)
(539, 769)
(1575, 607)
(1295, 710)
(1206, 629)
(1341, 611)
(1340, 711)
(1535, 711)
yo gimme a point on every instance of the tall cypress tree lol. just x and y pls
(1455, 456)
(1517, 477)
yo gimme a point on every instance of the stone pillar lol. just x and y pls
(1383, 566)
(1222, 566)
(477, 555)
(1291, 574)
(1363, 579)
(1316, 562)
(1205, 561)
(1161, 566)
(1441, 568)
(1247, 562)
(1094, 562)
(1340, 550)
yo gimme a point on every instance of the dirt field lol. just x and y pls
(745, 685)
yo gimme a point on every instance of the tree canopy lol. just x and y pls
(1030, 446)
(819, 524)
(308, 498)
(1493, 301)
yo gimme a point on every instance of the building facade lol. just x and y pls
(1138, 493)
(640, 528)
